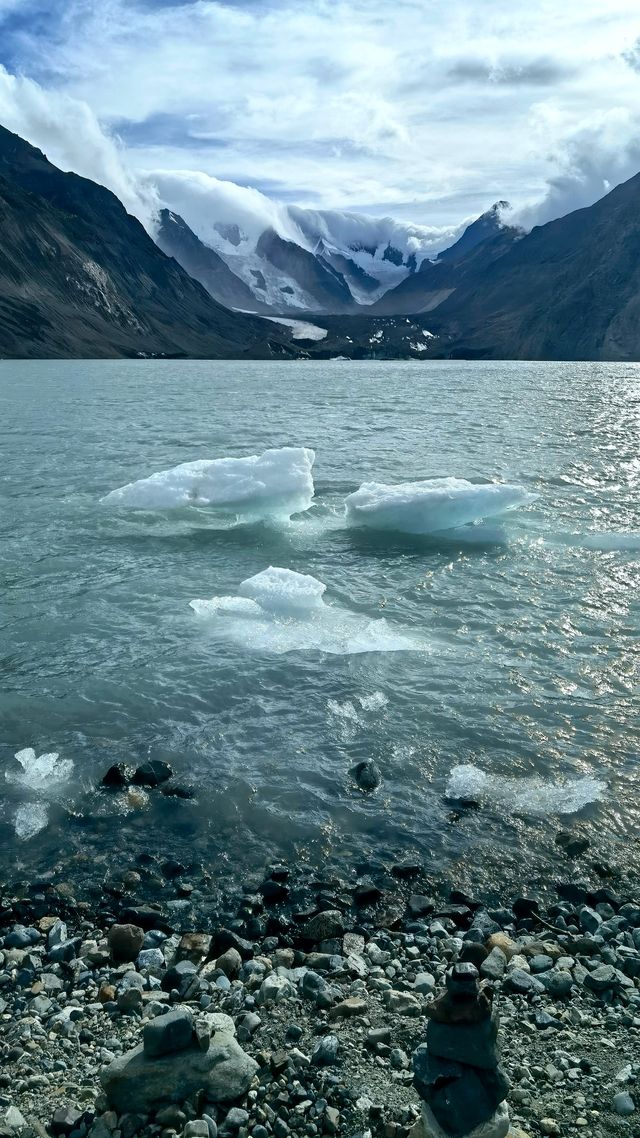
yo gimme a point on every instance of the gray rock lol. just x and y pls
(402, 1003)
(522, 983)
(137, 1082)
(493, 967)
(601, 979)
(196, 1129)
(623, 1103)
(169, 1033)
(424, 983)
(230, 963)
(150, 959)
(557, 984)
(540, 963)
(325, 1053)
(475, 1044)
(590, 921)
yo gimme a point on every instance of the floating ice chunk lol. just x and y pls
(437, 504)
(524, 796)
(42, 776)
(283, 591)
(277, 483)
(285, 612)
(43, 773)
(30, 818)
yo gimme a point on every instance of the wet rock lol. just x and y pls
(117, 776)
(169, 1033)
(152, 773)
(367, 775)
(125, 942)
(573, 844)
(419, 905)
(324, 926)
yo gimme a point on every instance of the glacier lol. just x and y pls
(42, 777)
(279, 610)
(432, 506)
(523, 796)
(276, 484)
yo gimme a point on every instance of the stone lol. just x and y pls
(325, 1053)
(590, 921)
(623, 1103)
(274, 989)
(125, 942)
(367, 775)
(65, 1119)
(550, 1126)
(495, 1127)
(152, 773)
(135, 1082)
(197, 1128)
(522, 983)
(540, 962)
(460, 1097)
(475, 1045)
(194, 947)
(352, 1006)
(424, 983)
(419, 905)
(177, 975)
(117, 776)
(493, 968)
(602, 979)
(324, 926)
(230, 963)
(168, 1033)
(402, 1003)
(150, 959)
(557, 984)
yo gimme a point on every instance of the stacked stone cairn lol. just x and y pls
(457, 1070)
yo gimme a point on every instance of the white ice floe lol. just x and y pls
(526, 795)
(282, 611)
(278, 483)
(433, 506)
(42, 777)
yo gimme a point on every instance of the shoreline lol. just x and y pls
(296, 960)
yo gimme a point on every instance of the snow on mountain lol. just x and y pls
(295, 259)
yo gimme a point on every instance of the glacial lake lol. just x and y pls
(519, 688)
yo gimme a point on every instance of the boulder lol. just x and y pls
(169, 1033)
(135, 1082)
(125, 942)
(324, 926)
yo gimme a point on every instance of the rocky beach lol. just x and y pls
(162, 1002)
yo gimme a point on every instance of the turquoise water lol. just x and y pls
(526, 649)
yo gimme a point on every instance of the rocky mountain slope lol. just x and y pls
(568, 290)
(482, 242)
(80, 277)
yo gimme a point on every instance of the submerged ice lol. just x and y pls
(41, 777)
(523, 796)
(277, 483)
(279, 610)
(431, 506)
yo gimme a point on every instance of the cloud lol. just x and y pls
(589, 160)
(67, 130)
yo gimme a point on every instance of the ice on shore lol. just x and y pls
(42, 777)
(279, 611)
(278, 483)
(523, 796)
(432, 506)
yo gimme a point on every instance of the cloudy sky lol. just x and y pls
(425, 110)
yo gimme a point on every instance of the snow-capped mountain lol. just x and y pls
(286, 259)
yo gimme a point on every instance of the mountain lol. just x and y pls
(80, 277)
(569, 290)
(484, 241)
(177, 240)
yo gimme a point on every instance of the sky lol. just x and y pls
(423, 110)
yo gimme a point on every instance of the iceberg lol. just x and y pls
(432, 506)
(42, 776)
(279, 611)
(523, 796)
(278, 483)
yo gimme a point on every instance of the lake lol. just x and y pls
(524, 646)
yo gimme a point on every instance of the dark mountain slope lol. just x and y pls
(482, 243)
(568, 290)
(176, 239)
(315, 277)
(80, 277)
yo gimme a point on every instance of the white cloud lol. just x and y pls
(67, 130)
(429, 112)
